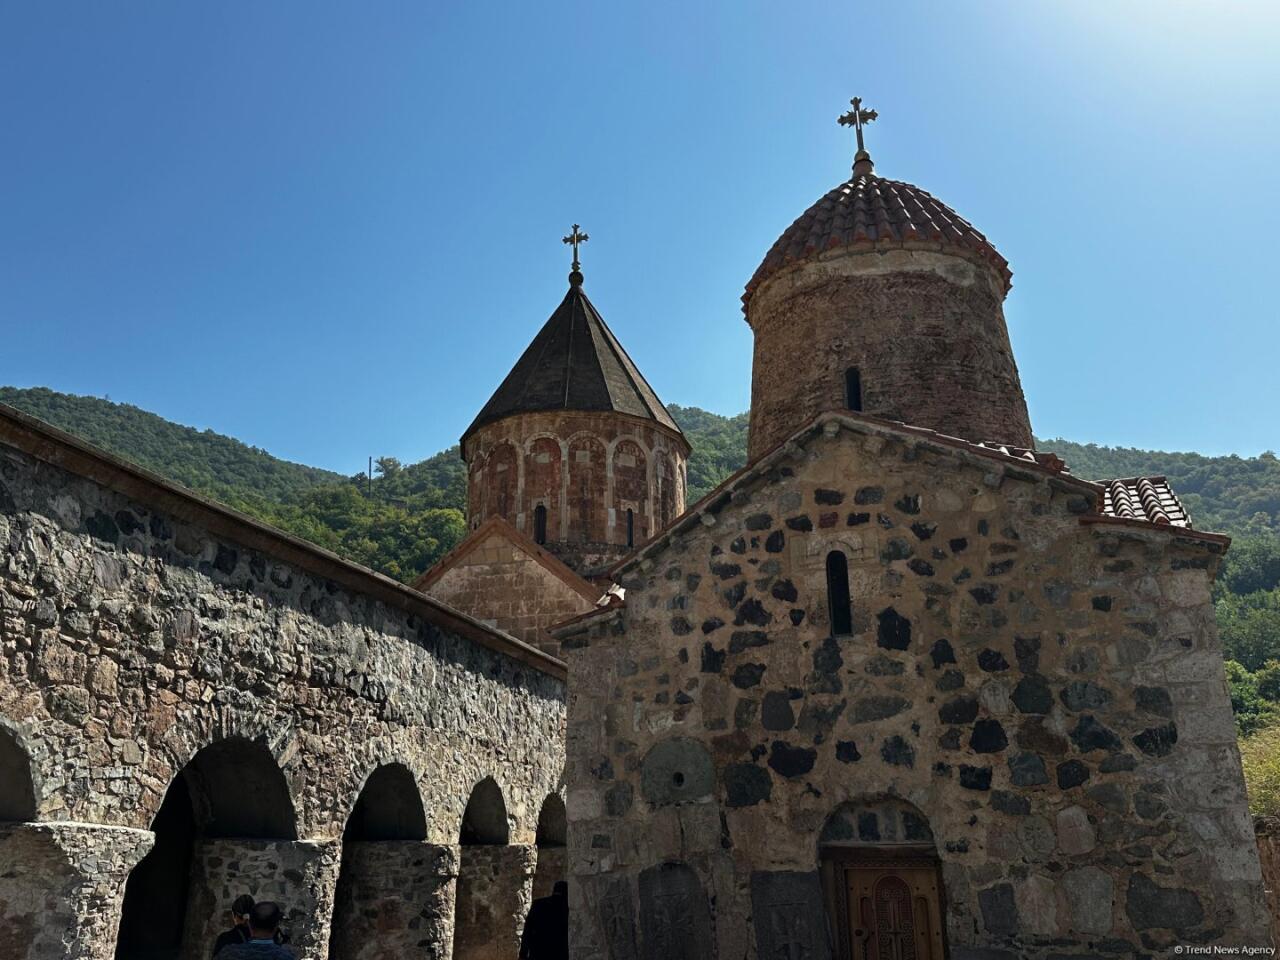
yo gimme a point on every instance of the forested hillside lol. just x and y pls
(1235, 495)
(411, 514)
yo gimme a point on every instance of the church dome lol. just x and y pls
(880, 299)
(869, 213)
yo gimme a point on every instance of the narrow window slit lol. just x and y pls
(853, 389)
(838, 606)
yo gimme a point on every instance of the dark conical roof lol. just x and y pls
(574, 363)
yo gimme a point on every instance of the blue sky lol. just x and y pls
(330, 229)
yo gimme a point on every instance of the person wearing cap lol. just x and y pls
(239, 916)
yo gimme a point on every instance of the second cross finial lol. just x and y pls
(856, 118)
(576, 239)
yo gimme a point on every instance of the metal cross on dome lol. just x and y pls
(576, 239)
(856, 118)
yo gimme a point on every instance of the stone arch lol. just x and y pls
(389, 807)
(230, 795)
(629, 470)
(876, 821)
(17, 785)
(551, 839)
(484, 822)
(238, 790)
(587, 507)
(543, 480)
(383, 902)
(881, 877)
(494, 879)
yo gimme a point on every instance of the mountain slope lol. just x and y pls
(209, 462)
(376, 523)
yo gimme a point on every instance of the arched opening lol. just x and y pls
(17, 791)
(230, 792)
(540, 524)
(631, 527)
(551, 836)
(494, 888)
(155, 896)
(852, 389)
(484, 822)
(881, 883)
(388, 808)
(381, 897)
(839, 608)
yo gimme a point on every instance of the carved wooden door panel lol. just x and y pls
(894, 913)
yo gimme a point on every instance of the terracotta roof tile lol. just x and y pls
(875, 212)
(1149, 499)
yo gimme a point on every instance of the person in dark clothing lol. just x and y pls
(264, 925)
(239, 932)
(546, 929)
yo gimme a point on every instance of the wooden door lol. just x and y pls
(894, 913)
(883, 907)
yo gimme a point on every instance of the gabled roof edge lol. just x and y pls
(549, 561)
(704, 510)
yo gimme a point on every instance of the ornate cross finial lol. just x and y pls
(576, 238)
(856, 118)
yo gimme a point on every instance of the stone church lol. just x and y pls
(902, 687)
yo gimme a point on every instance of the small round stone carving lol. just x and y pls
(677, 771)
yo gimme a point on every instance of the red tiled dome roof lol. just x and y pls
(874, 213)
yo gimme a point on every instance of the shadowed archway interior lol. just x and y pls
(231, 788)
(389, 808)
(484, 822)
(17, 793)
(371, 910)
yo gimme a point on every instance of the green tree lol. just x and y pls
(1250, 627)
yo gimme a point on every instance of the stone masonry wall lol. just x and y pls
(395, 900)
(495, 887)
(131, 637)
(1048, 694)
(500, 583)
(299, 876)
(925, 330)
(587, 470)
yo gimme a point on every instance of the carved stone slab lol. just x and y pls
(675, 918)
(788, 915)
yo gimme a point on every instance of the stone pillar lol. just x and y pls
(62, 886)
(395, 900)
(495, 887)
(299, 875)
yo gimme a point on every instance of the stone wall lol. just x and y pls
(395, 900)
(502, 582)
(925, 330)
(299, 876)
(495, 886)
(60, 888)
(553, 865)
(1047, 693)
(587, 470)
(140, 624)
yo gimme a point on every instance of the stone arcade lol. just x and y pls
(902, 687)
(195, 706)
